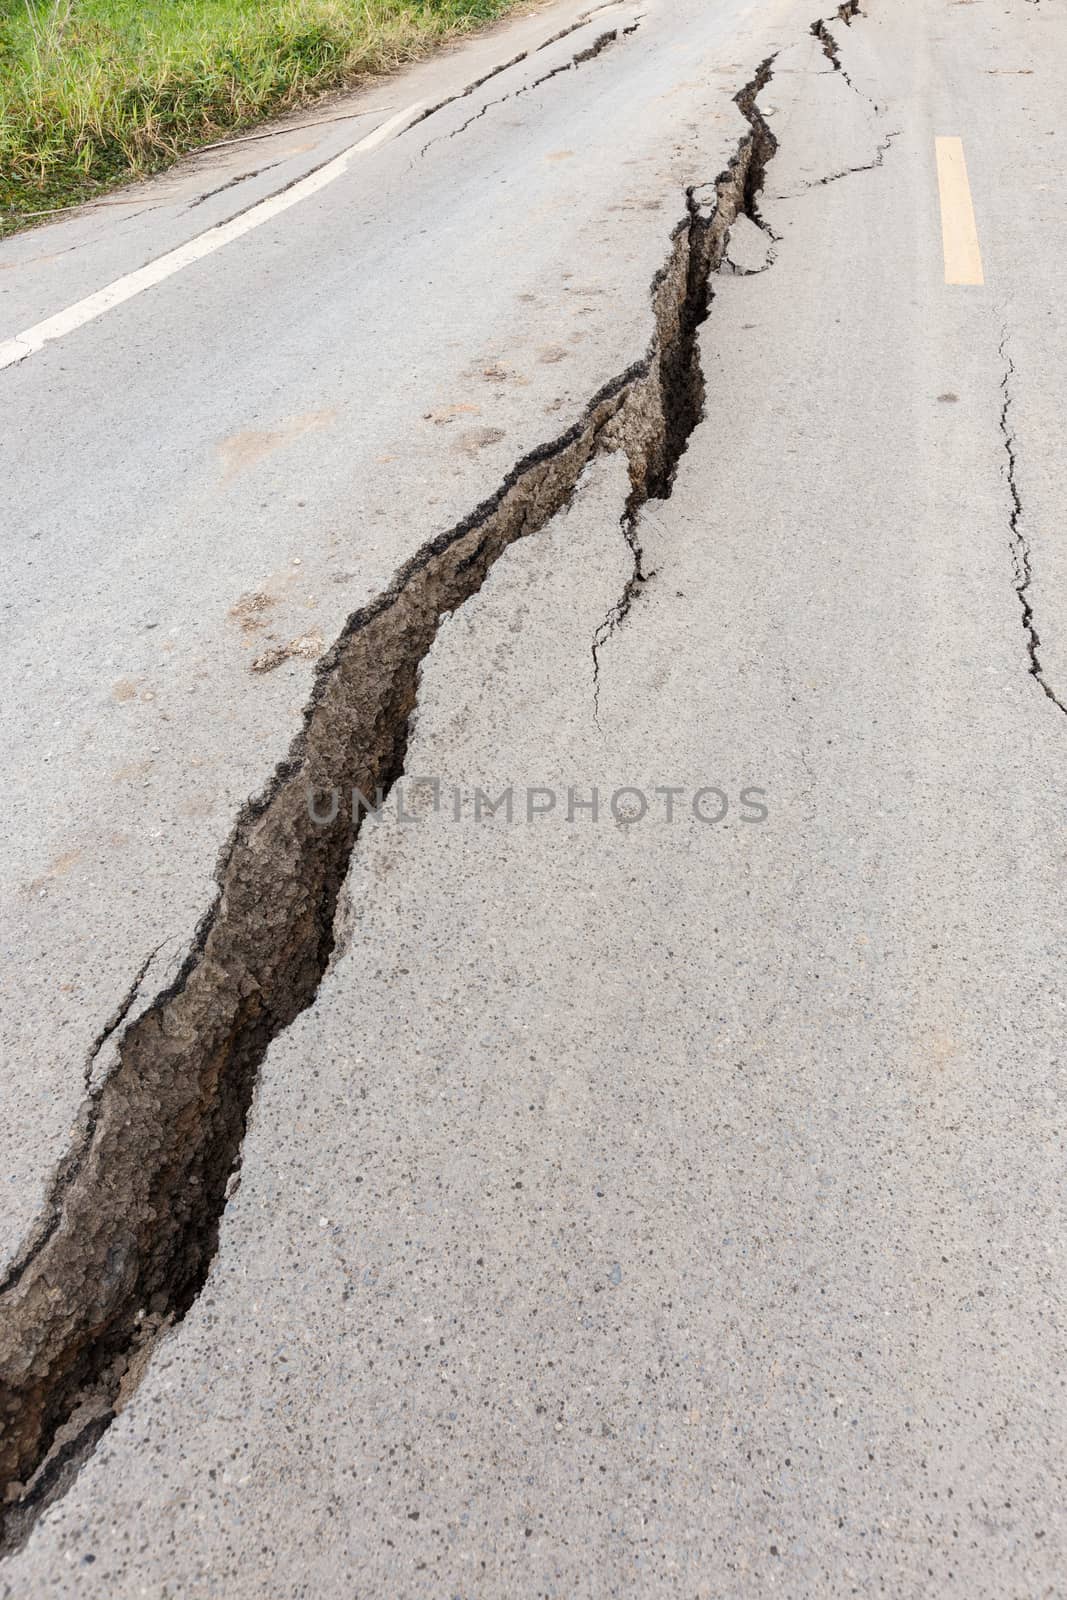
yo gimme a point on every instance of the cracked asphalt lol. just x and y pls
(656, 1187)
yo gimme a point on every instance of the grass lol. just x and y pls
(94, 91)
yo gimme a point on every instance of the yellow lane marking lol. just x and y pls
(959, 236)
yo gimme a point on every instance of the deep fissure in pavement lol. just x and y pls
(130, 1228)
(684, 387)
(829, 45)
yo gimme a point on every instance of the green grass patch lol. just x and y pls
(94, 91)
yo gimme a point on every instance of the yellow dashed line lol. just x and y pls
(959, 236)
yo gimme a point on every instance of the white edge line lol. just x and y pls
(125, 288)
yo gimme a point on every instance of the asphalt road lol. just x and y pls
(632, 1163)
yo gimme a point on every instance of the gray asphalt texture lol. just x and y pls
(644, 1207)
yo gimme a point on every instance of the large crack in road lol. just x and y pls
(685, 389)
(130, 1228)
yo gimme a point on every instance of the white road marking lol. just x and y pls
(125, 288)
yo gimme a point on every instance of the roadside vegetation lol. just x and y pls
(93, 91)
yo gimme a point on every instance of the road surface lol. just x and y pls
(537, 724)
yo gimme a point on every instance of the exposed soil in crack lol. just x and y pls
(764, 146)
(590, 53)
(127, 1237)
(737, 193)
(1020, 547)
(829, 48)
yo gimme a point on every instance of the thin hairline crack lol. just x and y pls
(1019, 544)
(590, 53)
(514, 61)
